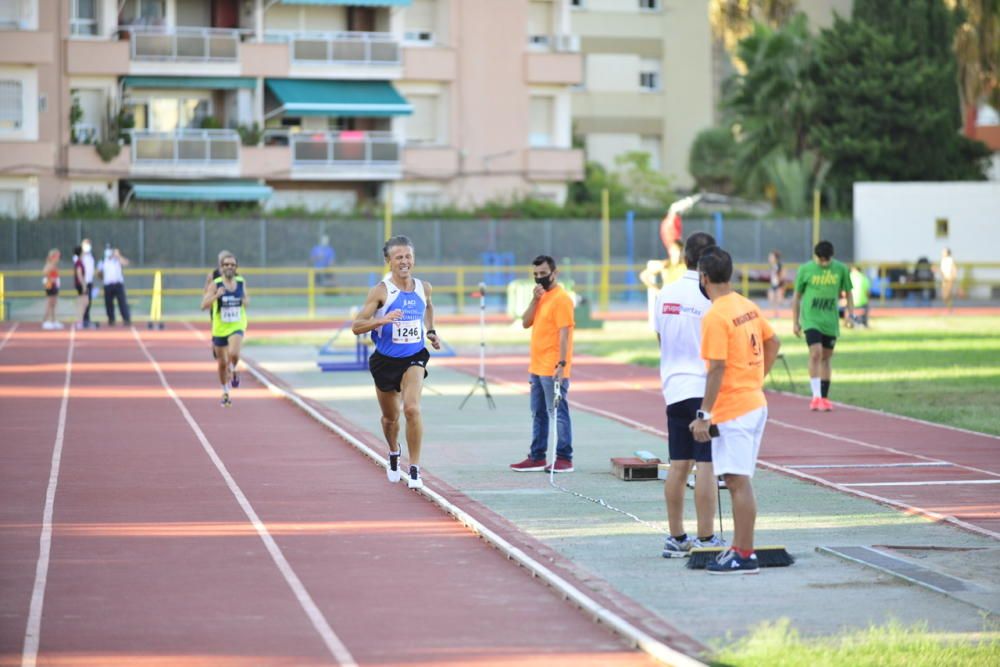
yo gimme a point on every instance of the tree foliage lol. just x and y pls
(712, 160)
(734, 20)
(887, 105)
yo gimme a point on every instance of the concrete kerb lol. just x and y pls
(636, 637)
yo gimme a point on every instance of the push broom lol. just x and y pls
(767, 556)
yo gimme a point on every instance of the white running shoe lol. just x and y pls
(48, 325)
(392, 472)
(414, 481)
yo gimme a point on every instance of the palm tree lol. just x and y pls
(977, 49)
(733, 20)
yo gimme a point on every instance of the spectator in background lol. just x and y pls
(923, 276)
(80, 283)
(50, 279)
(113, 276)
(89, 268)
(322, 257)
(861, 286)
(659, 273)
(949, 274)
(776, 288)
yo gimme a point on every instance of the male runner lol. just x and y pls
(818, 286)
(399, 314)
(228, 299)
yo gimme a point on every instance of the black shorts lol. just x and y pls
(814, 336)
(52, 291)
(388, 371)
(223, 341)
(680, 440)
(79, 289)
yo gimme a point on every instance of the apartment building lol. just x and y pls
(324, 104)
(653, 75)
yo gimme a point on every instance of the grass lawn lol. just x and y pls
(779, 645)
(942, 369)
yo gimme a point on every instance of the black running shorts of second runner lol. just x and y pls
(814, 336)
(388, 371)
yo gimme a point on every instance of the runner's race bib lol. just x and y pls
(408, 331)
(230, 313)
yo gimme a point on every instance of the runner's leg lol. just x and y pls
(388, 402)
(412, 385)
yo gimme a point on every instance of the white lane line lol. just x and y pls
(823, 466)
(333, 643)
(882, 448)
(904, 507)
(641, 640)
(32, 634)
(10, 332)
(940, 482)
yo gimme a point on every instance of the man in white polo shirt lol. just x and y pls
(677, 321)
(111, 272)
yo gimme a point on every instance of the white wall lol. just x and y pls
(896, 221)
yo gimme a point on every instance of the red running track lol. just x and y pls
(944, 473)
(186, 534)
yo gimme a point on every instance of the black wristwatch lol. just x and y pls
(431, 331)
(703, 415)
(561, 363)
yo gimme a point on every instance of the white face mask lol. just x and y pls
(86, 248)
(108, 253)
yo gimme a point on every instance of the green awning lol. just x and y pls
(202, 191)
(364, 3)
(210, 82)
(310, 97)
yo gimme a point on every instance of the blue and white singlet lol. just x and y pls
(405, 336)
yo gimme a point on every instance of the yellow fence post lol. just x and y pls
(605, 288)
(388, 211)
(460, 289)
(816, 238)
(156, 302)
(882, 284)
(311, 292)
(746, 280)
(3, 301)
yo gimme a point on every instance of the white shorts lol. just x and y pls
(734, 452)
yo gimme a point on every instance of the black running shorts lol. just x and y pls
(680, 440)
(388, 371)
(814, 336)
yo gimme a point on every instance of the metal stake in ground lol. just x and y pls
(481, 380)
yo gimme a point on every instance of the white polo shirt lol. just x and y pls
(677, 315)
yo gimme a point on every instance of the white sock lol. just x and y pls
(814, 385)
(226, 388)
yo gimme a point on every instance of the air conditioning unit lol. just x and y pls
(566, 43)
(421, 36)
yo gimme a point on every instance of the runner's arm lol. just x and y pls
(796, 302)
(366, 320)
(713, 382)
(429, 318)
(209, 298)
(563, 351)
(529, 314)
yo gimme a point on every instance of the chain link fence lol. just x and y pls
(265, 242)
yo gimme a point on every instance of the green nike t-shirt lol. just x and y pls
(819, 289)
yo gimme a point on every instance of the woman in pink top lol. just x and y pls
(51, 282)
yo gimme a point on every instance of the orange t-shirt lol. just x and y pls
(734, 330)
(553, 312)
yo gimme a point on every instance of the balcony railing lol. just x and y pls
(339, 48)
(186, 147)
(183, 44)
(18, 14)
(564, 43)
(349, 150)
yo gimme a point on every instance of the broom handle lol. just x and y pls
(718, 492)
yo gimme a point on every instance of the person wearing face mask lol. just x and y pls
(550, 318)
(678, 311)
(89, 267)
(110, 269)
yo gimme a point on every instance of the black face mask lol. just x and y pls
(703, 292)
(544, 281)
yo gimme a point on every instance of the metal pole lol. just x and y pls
(718, 229)
(387, 213)
(142, 242)
(630, 250)
(815, 217)
(201, 232)
(263, 242)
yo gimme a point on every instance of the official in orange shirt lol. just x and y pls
(550, 318)
(739, 348)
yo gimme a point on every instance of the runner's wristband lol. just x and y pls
(432, 331)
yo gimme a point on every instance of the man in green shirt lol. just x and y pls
(818, 286)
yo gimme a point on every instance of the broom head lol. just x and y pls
(769, 556)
